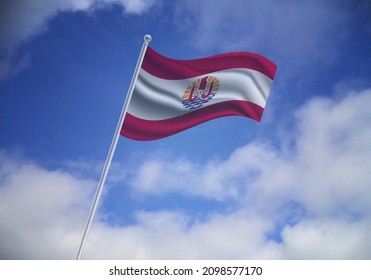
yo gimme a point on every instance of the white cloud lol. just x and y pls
(216, 180)
(307, 202)
(295, 33)
(167, 235)
(41, 211)
(334, 150)
(328, 238)
(133, 6)
(21, 20)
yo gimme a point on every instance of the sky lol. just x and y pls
(294, 186)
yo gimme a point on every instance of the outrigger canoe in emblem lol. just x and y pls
(200, 92)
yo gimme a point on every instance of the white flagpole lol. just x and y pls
(147, 39)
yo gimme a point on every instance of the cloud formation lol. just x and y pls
(306, 201)
(41, 210)
(297, 33)
(330, 159)
(21, 20)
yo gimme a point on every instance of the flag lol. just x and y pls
(173, 95)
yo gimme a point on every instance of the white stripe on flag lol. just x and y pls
(157, 99)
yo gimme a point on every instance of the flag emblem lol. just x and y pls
(200, 92)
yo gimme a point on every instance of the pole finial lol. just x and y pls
(147, 38)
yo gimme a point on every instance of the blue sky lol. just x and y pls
(295, 186)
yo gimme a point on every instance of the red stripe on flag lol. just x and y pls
(172, 69)
(140, 129)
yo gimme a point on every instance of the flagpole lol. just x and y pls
(147, 39)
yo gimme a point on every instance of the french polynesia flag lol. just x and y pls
(173, 95)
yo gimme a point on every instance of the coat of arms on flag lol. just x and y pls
(200, 92)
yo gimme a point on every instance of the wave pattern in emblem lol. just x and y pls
(198, 103)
